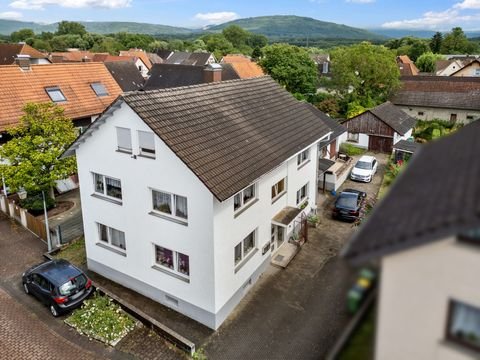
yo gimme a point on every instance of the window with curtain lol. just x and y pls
(124, 139)
(107, 186)
(303, 157)
(174, 261)
(113, 237)
(464, 324)
(278, 188)
(173, 205)
(302, 193)
(245, 247)
(244, 197)
(146, 143)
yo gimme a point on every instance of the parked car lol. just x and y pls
(364, 169)
(57, 284)
(349, 204)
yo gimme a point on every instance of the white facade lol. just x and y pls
(363, 139)
(430, 113)
(450, 69)
(142, 67)
(415, 290)
(215, 283)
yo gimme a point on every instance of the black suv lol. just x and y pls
(348, 205)
(58, 284)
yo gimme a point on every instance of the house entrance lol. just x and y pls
(277, 237)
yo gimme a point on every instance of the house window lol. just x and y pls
(302, 193)
(172, 260)
(112, 237)
(107, 186)
(245, 247)
(124, 140)
(146, 143)
(279, 189)
(99, 89)
(244, 197)
(476, 72)
(464, 324)
(55, 94)
(353, 137)
(170, 204)
(303, 157)
(453, 118)
(420, 113)
(325, 68)
(470, 117)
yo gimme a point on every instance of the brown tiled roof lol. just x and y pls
(229, 133)
(437, 196)
(142, 55)
(243, 66)
(440, 92)
(72, 56)
(407, 67)
(112, 58)
(231, 58)
(19, 87)
(8, 53)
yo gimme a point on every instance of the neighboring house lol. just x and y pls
(154, 58)
(425, 235)
(187, 192)
(142, 68)
(168, 76)
(188, 58)
(73, 55)
(323, 63)
(164, 54)
(455, 99)
(243, 66)
(141, 59)
(380, 128)
(10, 53)
(471, 68)
(447, 67)
(126, 75)
(84, 90)
(406, 66)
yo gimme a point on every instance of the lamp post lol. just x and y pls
(49, 240)
(4, 186)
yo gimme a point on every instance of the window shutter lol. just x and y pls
(124, 139)
(146, 140)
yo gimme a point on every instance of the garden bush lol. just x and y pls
(34, 203)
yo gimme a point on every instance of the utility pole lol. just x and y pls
(47, 228)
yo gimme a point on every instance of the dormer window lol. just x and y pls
(99, 89)
(55, 94)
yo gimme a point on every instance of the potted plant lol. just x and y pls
(312, 220)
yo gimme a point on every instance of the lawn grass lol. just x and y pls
(352, 150)
(362, 343)
(74, 252)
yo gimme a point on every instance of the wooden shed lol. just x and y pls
(378, 129)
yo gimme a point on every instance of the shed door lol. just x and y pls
(380, 144)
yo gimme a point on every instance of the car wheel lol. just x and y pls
(25, 288)
(54, 310)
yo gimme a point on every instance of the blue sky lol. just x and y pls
(418, 14)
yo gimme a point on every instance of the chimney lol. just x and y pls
(212, 73)
(23, 61)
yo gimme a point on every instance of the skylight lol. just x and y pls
(99, 89)
(55, 94)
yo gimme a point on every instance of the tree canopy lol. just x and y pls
(427, 61)
(291, 66)
(456, 42)
(32, 154)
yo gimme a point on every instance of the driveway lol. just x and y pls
(298, 312)
(28, 331)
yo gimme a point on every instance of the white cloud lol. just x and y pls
(468, 4)
(216, 17)
(435, 20)
(40, 4)
(10, 15)
(360, 1)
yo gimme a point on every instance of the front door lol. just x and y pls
(277, 237)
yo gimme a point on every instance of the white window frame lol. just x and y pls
(244, 253)
(173, 205)
(143, 150)
(299, 199)
(240, 198)
(108, 241)
(57, 90)
(275, 193)
(176, 258)
(104, 187)
(125, 149)
(303, 157)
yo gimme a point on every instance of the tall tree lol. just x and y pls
(427, 61)
(436, 42)
(37, 142)
(22, 35)
(364, 73)
(236, 35)
(70, 28)
(291, 66)
(456, 42)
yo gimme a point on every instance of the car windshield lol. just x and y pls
(71, 285)
(347, 201)
(364, 165)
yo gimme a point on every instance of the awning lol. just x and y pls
(406, 146)
(286, 215)
(325, 164)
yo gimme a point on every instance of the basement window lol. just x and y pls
(55, 94)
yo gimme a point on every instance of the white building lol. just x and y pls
(187, 192)
(427, 241)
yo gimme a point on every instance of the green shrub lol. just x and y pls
(352, 150)
(34, 203)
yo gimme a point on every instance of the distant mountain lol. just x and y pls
(99, 27)
(423, 34)
(288, 27)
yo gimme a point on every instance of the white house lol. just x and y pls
(380, 128)
(425, 235)
(187, 192)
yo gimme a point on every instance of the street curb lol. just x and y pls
(351, 327)
(161, 329)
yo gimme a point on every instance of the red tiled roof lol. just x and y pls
(243, 66)
(142, 55)
(19, 87)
